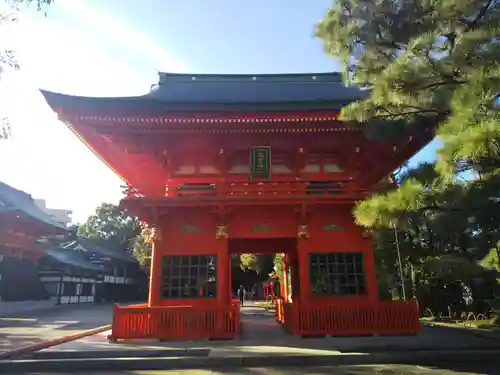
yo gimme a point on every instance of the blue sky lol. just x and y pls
(116, 47)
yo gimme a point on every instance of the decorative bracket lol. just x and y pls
(332, 228)
(221, 231)
(151, 235)
(303, 228)
(366, 234)
(190, 229)
(262, 228)
(303, 232)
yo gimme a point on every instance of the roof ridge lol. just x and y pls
(165, 78)
(16, 191)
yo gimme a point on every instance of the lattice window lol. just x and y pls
(337, 273)
(190, 276)
(69, 289)
(87, 289)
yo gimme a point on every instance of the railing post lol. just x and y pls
(113, 337)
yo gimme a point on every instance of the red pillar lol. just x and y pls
(230, 278)
(155, 276)
(303, 272)
(223, 274)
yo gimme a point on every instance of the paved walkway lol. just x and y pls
(262, 342)
(262, 335)
(260, 325)
(36, 326)
(22, 307)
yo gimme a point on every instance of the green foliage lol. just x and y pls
(40, 5)
(259, 263)
(10, 14)
(111, 228)
(450, 268)
(428, 65)
(7, 56)
(141, 250)
(425, 64)
(492, 259)
(278, 265)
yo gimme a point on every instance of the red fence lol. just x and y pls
(279, 305)
(390, 317)
(175, 323)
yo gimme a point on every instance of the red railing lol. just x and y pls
(390, 317)
(279, 305)
(238, 190)
(175, 323)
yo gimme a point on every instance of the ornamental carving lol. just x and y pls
(262, 228)
(151, 235)
(221, 231)
(332, 228)
(303, 231)
(190, 229)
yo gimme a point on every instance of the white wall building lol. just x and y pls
(60, 215)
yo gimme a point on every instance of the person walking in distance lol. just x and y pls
(241, 294)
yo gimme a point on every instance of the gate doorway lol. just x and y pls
(258, 317)
(266, 247)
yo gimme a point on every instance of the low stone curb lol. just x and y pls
(119, 353)
(205, 352)
(28, 349)
(423, 358)
(466, 330)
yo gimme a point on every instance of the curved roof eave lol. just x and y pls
(185, 91)
(21, 202)
(69, 257)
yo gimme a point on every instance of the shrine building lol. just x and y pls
(225, 164)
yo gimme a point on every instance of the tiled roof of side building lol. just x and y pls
(12, 200)
(183, 91)
(120, 256)
(72, 258)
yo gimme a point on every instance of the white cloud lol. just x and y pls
(88, 58)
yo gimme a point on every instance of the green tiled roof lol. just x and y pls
(256, 92)
(14, 200)
(120, 256)
(71, 258)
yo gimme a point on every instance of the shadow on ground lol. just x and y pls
(262, 339)
(36, 326)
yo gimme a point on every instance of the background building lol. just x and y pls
(60, 215)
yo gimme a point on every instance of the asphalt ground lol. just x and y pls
(387, 369)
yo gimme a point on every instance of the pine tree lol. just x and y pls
(428, 65)
(425, 63)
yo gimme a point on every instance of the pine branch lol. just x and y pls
(479, 16)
